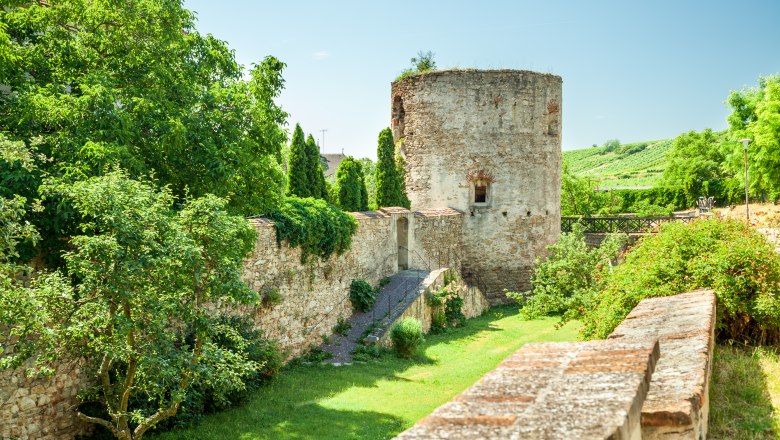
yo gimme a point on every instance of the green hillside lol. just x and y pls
(639, 164)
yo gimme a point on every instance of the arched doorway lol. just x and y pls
(402, 235)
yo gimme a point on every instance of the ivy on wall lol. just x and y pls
(315, 225)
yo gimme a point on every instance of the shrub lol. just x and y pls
(565, 283)
(341, 327)
(362, 295)
(315, 225)
(725, 255)
(407, 335)
(365, 353)
(447, 303)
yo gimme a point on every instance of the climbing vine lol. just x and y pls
(315, 225)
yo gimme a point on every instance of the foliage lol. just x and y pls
(407, 335)
(298, 182)
(342, 326)
(98, 83)
(694, 160)
(351, 186)
(272, 297)
(423, 62)
(369, 177)
(579, 196)
(756, 115)
(137, 264)
(318, 227)
(611, 145)
(362, 295)
(365, 353)
(390, 189)
(204, 398)
(725, 255)
(565, 283)
(314, 167)
(447, 302)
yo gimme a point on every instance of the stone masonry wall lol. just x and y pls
(41, 408)
(316, 294)
(500, 129)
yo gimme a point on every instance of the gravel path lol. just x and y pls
(401, 288)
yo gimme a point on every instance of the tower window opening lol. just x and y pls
(480, 194)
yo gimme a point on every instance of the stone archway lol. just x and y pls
(402, 237)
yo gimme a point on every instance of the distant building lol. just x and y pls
(330, 162)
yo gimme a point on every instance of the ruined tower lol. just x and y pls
(487, 143)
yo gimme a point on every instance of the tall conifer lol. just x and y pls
(389, 187)
(352, 194)
(298, 176)
(314, 169)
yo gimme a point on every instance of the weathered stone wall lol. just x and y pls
(474, 304)
(41, 408)
(460, 130)
(649, 380)
(316, 294)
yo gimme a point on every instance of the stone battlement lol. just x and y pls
(654, 368)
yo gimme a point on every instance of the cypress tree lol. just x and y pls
(298, 174)
(316, 176)
(352, 194)
(389, 186)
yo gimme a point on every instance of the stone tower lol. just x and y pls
(487, 143)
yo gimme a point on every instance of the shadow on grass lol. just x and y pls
(740, 403)
(290, 406)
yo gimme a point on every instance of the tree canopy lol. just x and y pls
(88, 84)
(694, 161)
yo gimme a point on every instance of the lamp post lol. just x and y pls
(745, 143)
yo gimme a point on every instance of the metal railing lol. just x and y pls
(626, 225)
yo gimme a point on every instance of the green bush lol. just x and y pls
(407, 335)
(725, 255)
(362, 295)
(315, 225)
(565, 283)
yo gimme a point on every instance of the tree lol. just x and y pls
(352, 187)
(389, 186)
(423, 62)
(298, 169)
(694, 161)
(95, 83)
(756, 115)
(580, 196)
(369, 177)
(316, 176)
(143, 275)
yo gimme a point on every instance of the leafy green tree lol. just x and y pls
(92, 83)
(694, 161)
(352, 187)
(143, 275)
(756, 115)
(316, 175)
(390, 189)
(421, 63)
(369, 177)
(298, 168)
(611, 145)
(580, 196)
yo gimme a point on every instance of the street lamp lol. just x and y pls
(745, 143)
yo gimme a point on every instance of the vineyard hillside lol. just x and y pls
(635, 165)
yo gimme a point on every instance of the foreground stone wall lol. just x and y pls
(498, 130)
(648, 380)
(41, 408)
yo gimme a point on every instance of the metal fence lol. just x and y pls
(626, 225)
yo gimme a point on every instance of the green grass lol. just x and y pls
(745, 394)
(380, 398)
(619, 170)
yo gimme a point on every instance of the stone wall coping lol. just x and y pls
(685, 325)
(437, 212)
(582, 390)
(264, 222)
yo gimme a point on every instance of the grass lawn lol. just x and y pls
(745, 394)
(381, 398)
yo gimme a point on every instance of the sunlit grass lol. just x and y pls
(745, 393)
(381, 398)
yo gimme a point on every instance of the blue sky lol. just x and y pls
(632, 70)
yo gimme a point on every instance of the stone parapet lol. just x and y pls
(677, 405)
(580, 390)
